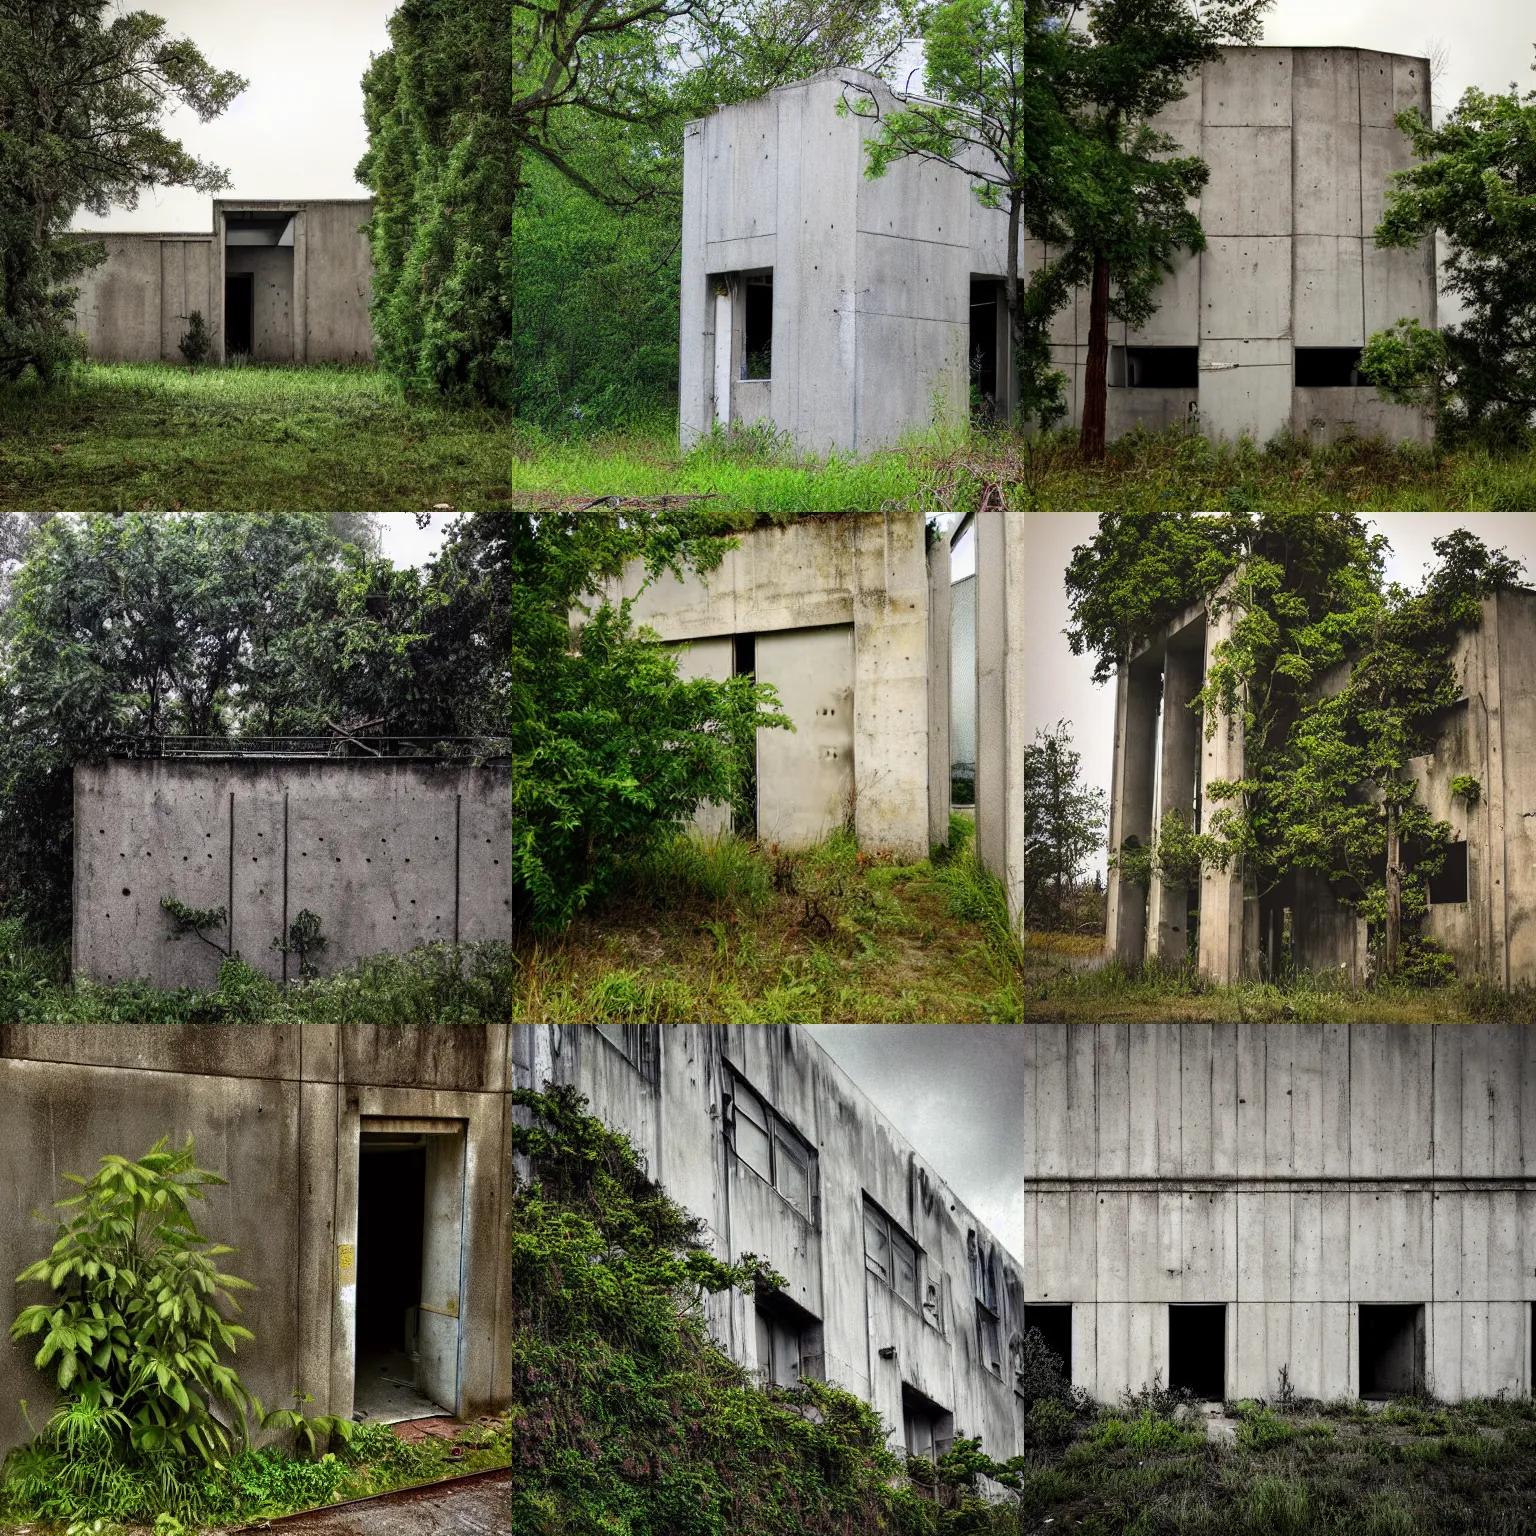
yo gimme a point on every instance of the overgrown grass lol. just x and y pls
(122, 437)
(1307, 1469)
(437, 984)
(729, 931)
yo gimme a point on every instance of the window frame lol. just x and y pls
(780, 1133)
(896, 1237)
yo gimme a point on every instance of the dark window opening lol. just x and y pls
(1197, 1350)
(239, 312)
(744, 664)
(789, 1342)
(1391, 1350)
(1328, 368)
(757, 328)
(1160, 367)
(1053, 1323)
(929, 1430)
(1450, 885)
(890, 1254)
(986, 297)
(989, 1323)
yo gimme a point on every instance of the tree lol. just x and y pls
(1476, 184)
(82, 96)
(1063, 821)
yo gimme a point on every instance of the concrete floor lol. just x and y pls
(385, 1393)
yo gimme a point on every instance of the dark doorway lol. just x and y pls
(1328, 368)
(757, 339)
(1197, 1351)
(983, 356)
(1450, 886)
(1391, 1350)
(1054, 1322)
(239, 312)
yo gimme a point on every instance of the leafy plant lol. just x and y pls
(1466, 788)
(185, 919)
(196, 345)
(304, 940)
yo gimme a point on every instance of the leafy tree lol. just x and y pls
(610, 750)
(1476, 183)
(82, 95)
(1063, 821)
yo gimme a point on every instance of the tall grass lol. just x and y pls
(975, 895)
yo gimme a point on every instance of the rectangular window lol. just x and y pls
(1053, 1322)
(928, 1429)
(757, 328)
(1450, 885)
(1155, 367)
(890, 1254)
(1328, 368)
(989, 1331)
(768, 1145)
(789, 1342)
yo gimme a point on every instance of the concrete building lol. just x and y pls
(850, 313)
(1483, 903)
(895, 1291)
(849, 616)
(1208, 1204)
(389, 853)
(278, 282)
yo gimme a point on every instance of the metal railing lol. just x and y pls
(455, 749)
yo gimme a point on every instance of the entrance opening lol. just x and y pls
(929, 1429)
(1155, 367)
(239, 312)
(1450, 885)
(410, 1212)
(1391, 1350)
(1197, 1350)
(1054, 1324)
(757, 328)
(983, 356)
(1328, 368)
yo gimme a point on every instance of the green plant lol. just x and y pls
(1466, 788)
(1278, 1506)
(196, 345)
(304, 940)
(185, 919)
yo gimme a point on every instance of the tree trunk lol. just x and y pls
(1394, 891)
(1011, 298)
(1096, 377)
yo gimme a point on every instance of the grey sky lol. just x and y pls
(1058, 685)
(956, 1092)
(298, 131)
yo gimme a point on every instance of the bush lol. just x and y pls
(196, 345)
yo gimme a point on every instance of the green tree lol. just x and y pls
(83, 93)
(1475, 183)
(1063, 821)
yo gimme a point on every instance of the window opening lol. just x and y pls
(239, 312)
(1156, 367)
(989, 1329)
(1391, 1350)
(1197, 1350)
(744, 664)
(890, 1254)
(757, 338)
(929, 1430)
(1450, 885)
(1328, 368)
(789, 1342)
(640, 1044)
(985, 299)
(768, 1145)
(1053, 1322)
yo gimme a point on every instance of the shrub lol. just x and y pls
(196, 345)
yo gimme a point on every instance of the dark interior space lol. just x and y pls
(757, 348)
(1450, 885)
(1197, 1350)
(928, 1428)
(239, 312)
(1162, 367)
(984, 302)
(1054, 1322)
(744, 664)
(1327, 367)
(1391, 1350)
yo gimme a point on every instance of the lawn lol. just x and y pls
(733, 933)
(151, 437)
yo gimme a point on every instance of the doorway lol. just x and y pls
(1197, 1350)
(410, 1217)
(1391, 1350)
(239, 312)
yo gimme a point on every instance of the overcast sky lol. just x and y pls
(298, 130)
(1059, 686)
(956, 1092)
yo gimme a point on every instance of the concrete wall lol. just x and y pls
(273, 1109)
(1292, 1172)
(869, 570)
(337, 282)
(676, 1122)
(134, 307)
(272, 300)
(1000, 699)
(390, 854)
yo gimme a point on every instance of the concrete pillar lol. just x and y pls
(1013, 806)
(1137, 690)
(940, 623)
(1000, 699)
(1183, 675)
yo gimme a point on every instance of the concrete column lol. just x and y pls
(992, 691)
(696, 335)
(1183, 674)
(940, 622)
(1013, 665)
(1137, 689)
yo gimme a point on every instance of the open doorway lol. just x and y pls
(1391, 1350)
(410, 1216)
(239, 312)
(1197, 1351)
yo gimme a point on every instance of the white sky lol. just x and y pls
(956, 1092)
(403, 543)
(1059, 686)
(298, 130)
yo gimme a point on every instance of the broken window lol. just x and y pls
(1155, 367)
(890, 1253)
(770, 1146)
(1328, 368)
(928, 1429)
(989, 1325)
(1450, 885)
(1053, 1322)
(1197, 1350)
(1391, 1350)
(757, 327)
(789, 1341)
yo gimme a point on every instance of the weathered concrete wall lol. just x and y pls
(272, 299)
(390, 854)
(677, 1124)
(273, 1109)
(1000, 699)
(337, 285)
(864, 569)
(1292, 1172)
(134, 307)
